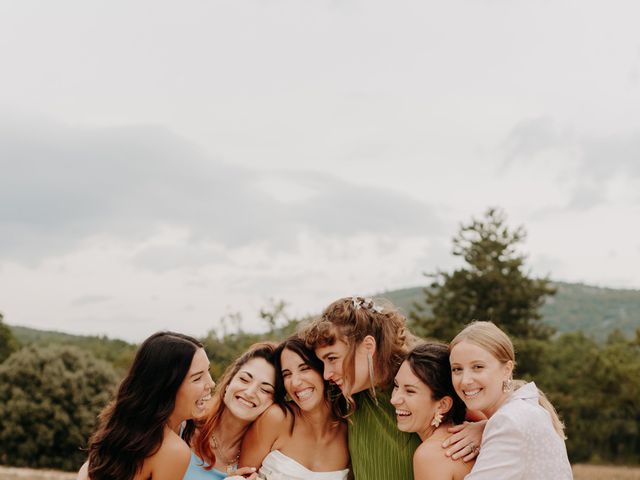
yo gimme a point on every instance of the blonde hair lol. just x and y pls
(351, 319)
(489, 337)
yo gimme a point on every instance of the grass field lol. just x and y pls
(580, 472)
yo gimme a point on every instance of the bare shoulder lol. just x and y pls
(431, 463)
(274, 419)
(174, 453)
(83, 474)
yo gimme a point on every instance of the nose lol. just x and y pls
(465, 377)
(252, 389)
(396, 399)
(327, 374)
(295, 379)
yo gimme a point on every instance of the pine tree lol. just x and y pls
(492, 285)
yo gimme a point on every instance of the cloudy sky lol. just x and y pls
(165, 164)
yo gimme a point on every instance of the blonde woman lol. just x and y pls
(524, 438)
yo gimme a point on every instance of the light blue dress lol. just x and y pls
(196, 471)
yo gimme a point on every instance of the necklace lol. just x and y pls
(232, 465)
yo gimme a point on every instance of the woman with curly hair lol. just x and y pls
(362, 344)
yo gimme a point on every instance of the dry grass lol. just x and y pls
(10, 473)
(580, 472)
(596, 472)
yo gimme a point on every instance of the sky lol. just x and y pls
(167, 165)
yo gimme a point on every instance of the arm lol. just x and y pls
(261, 436)
(502, 452)
(464, 436)
(430, 464)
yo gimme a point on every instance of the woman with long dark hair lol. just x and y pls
(304, 438)
(426, 403)
(167, 385)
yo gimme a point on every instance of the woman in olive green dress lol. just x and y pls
(362, 345)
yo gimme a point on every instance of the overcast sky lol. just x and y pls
(164, 164)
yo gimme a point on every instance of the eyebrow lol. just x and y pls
(250, 375)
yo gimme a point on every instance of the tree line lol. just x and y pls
(50, 395)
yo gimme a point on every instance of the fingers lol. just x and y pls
(467, 453)
(456, 428)
(243, 473)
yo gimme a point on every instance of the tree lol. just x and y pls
(49, 400)
(492, 285)
(8, 342)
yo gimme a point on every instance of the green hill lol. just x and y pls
(117, 352)
(593, 310)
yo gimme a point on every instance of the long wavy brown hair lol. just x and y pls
(351, 319)
(202, 444)
(131, 427)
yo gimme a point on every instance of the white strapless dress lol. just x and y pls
(277, 466)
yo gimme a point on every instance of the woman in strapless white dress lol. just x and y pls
(304, 438)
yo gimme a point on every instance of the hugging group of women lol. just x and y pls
(351, 395)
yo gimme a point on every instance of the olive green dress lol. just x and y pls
(379, 451)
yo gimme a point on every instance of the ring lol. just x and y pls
(474, 449)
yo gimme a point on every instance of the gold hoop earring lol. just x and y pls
(372, 388)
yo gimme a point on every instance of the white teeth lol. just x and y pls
(245, 402)
(471, 393)
(206, 398)
(304, 394)
(403, 413)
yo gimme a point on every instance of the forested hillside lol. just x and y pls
(594, 311)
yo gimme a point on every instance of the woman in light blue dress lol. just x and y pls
(244, 392)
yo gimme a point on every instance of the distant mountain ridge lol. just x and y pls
(593, 310)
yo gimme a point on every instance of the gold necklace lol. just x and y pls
(232, 465)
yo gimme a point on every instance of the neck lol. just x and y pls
(230, 430)
(489, 411)
(429, 430)
(174, 422)
(319, 419)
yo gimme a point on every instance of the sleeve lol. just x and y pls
(501, 453)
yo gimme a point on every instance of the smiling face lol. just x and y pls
(477, 377)
(414, 403)
(195, 389)
(303, 384)
(250, 391)
(333, 357)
